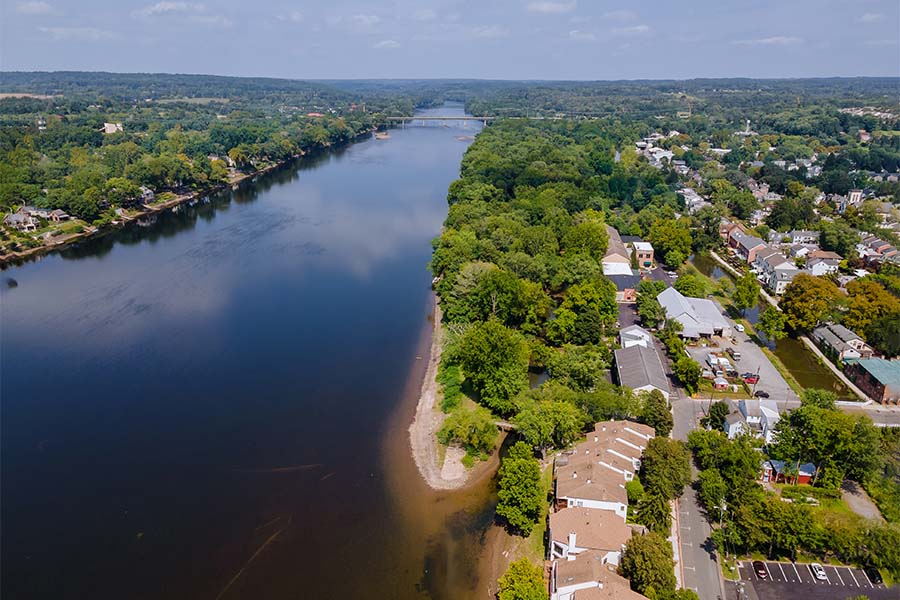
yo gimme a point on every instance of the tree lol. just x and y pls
(716, 418)
(657, 413)
(671, 241)
(654, 511)
(807, 300)
(588, 237)
(549, 423)
(771, 324)
(522, 581)
(884, 334)
(869, 301)
(665, 467)
(495, 361)
(688, 372)
(474, 429)
(520, 494)
(746, 292)
(580, 367)
(647, 562)
(690, 285)
(649, 309)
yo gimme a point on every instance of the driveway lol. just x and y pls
(858, 501)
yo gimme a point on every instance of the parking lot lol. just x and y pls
(787, 581)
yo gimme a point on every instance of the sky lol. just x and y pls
(488, 39)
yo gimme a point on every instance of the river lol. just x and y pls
(215, 404)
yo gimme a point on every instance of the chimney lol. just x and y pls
(596, 439)
(571, 542)
(574, 474)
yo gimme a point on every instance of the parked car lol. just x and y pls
(761, 394)
(739, 327)
(873, 575)
(818, 571)
(760, 569)
(751, 378)
(735, 354)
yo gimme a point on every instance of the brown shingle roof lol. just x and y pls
(594, 529)
(589, 567)
(581, 478)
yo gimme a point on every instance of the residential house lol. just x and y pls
(804, 236)
(840, 343)
(640, 369)
(734, 425)
(800, 250)
(775, 270)
(58, 216)
(779, 471)
(635, 335)
(746, 245)
(879, 378)
(21, 221)
(759, 417)
(823, 262)
(726, 228)
(582, 483)
(573, 531)
(626, 282)
(616, 261)
(854, 197)
(589, 577)
(693, 202)
(109, 128)
(147, 195)
(644, 254)
(698, 316)
(681, 167)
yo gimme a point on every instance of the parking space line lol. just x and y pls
(796, 572)
(838, 573)
(780, 568)
(866, 575)
(849, 570)
(768, 572)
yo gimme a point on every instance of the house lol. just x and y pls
(734, 425)
(21, 221)
(147, 195)
(573, 531)
(589, 577)
(840, 343)
(803, 236)
(779, 471)
(644, 254)
(760, 416)
(823, 262)
(720, 383)
(635, 335)
(582, 483)
(109, 128)
(877, 377)
(800, 250)
(616, 445)
(698, 316)
(58, 216)
(746, 245)
(775, 270)
(639, 368)
(626, 282)
(854, 197)
(726, 228)
(616, 260)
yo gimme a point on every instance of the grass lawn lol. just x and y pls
(729, 569)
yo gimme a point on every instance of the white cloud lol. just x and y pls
(210, 20)
(425, 14)
(632, 30)
(582, 36)
(618, 15)
(78, 34)
(365, 21)
(293, 17)
(777, 40)
(870, 18)
(487, 32)
(387, 44)
(167, 7)
(35, 8)
(551, 8)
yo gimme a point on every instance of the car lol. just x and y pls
(760, 569)
(739, 327)
(818, 571)
(873, 575)
(751, 378)
(761, 394)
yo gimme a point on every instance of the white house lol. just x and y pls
(635, 335)
(757, 417)
(577, 530)
(589, 577)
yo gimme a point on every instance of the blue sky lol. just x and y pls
(503, 39)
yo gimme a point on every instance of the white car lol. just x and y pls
(818, 571)
(739, 327)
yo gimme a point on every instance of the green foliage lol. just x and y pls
(495, 361)
(807, 300)
(473, 429)
(520, 493)
(449, 377)
(671, 240)
(522, 581)
(665, 467)
(691, 285)
(772, 323)
(648, 307)
(655, 513)
(648, 563)
(657, 413)
(688, 372)
(715, 419)
(549, 423)
(580, 367)
(746, 292)
(635, 491)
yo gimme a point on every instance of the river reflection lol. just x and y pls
(215, 405)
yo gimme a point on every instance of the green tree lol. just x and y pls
(647, 562)
(716, 418)
(746, 292)
(657, 413)
(807, 300)
(522, 581)
(520, 494)
(688, 372)
(671, 241)
(550, 423)
(665, 467)
(588, 237)
(654, 511)
(495, 361)
(691, 285)
(771, 324)
(473, 429)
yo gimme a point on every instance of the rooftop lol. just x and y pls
(594, 528)
(885, 371)
(639, 366)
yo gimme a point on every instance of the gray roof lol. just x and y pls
(748, 242)
(696, 315)
(639, 367)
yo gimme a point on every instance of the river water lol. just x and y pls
(215, 404)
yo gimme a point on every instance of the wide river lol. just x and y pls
(215, 404)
